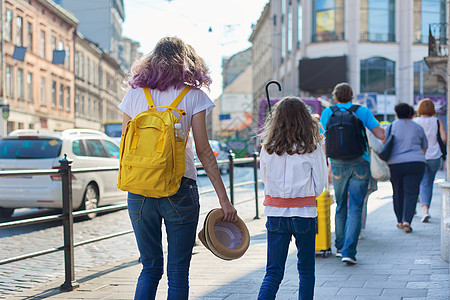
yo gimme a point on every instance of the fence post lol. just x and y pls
(255, 174)
(69, 266)
(231, 173)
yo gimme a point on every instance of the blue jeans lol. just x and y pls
(180, 213)
(350, 181)
(426, 185)
(279, 233)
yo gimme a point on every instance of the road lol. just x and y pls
(15, 277)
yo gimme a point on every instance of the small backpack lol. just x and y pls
(152, 163)
(345, 134)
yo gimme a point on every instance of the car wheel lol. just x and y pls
(6, 212)
(90, 200)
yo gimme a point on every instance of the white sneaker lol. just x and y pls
(338, 253)
(425, 218)
(349, 260)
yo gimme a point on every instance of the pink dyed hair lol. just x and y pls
(171, 63)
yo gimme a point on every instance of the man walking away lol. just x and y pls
(346, 147)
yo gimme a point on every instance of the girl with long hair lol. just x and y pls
(294, 171)
(166, 71)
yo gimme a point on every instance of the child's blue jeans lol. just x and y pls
(279, 233)
(180, 213)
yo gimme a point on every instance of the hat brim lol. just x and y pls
(212, 243)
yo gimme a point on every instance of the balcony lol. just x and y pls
(437, 50)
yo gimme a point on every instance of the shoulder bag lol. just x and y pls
(442, 146)
(385, 153)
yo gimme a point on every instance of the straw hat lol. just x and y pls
(226, 240)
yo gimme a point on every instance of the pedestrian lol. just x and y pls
(429, 122)
(406, 164)
(293, 169)
(350, 173)
(166, 71)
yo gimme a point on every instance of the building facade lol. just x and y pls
(100, 21)
(128, 52)
(38, 88)
(98, 79)
(378, 46)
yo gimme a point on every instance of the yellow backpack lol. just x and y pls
(152, 163)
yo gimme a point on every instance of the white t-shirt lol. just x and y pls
(195, 101)
(431, 129)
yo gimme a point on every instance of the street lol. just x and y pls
(25, 274)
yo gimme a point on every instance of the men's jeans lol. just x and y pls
(426, 185)
(405, 180)
(279, 233)
(180, 213)
(350, 181)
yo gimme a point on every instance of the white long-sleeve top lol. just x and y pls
(292, 181)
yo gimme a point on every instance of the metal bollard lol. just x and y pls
(69, 266)
(255, 174)
(231, 173)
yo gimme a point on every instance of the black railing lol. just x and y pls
(437, 40)
(68, 214)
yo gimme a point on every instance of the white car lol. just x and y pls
(32, 149)
(220, 151)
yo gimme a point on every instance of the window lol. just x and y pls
(299, 23)
(30, 87)
(19, 31)
(95, 148)
(378, 20)
(30, 37)
(60, 45)
(53, 43)
(67, 59)
(8, 25)
(377, 75)
(328, 20)
(61, 96)
(112, 148)
(68, 99)
(9, 82)
(42, 44)
(43, 93)
(53, 93)
(78, 148)
(289, 27)
(88, 69)
(82, 106)
(427, 12)
(283, 29)
(20, 92)
(77, 105)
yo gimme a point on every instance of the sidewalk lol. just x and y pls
(391, 265)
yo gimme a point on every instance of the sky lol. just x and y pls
(147, 21)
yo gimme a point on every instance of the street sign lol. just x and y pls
(5, 110)
(224, 117)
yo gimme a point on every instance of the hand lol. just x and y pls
(229, 212)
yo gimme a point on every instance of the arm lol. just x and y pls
(206, 156)
(442, 132)
(125, 120)
(320, 171)
(379, 133)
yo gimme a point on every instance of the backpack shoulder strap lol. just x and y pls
(354, 108)
(151, 104)
(334, 108)
(180, 97)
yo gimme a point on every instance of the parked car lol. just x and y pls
(220, 152)
(32, 149)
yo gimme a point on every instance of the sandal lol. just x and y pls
(399, 225)
(407, 228)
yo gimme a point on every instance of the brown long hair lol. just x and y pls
(290, 129)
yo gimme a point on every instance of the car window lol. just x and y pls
(215, 146)
(32, 148)
(78, 148)
(95, 148)
(112, 148)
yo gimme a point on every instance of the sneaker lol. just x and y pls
(425, 218)
(349, 260)
(338, 253)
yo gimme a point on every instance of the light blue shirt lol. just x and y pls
(363, 113)
(409, 140)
